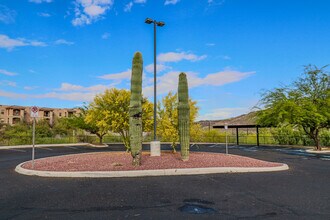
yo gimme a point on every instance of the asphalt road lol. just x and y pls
(303, 192)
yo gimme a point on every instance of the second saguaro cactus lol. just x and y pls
(184, 116)
(135, 109)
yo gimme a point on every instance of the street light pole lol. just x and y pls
(155, 86)
(160, 24)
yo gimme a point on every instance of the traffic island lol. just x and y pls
(119, 164)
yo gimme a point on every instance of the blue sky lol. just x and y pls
(60, 53)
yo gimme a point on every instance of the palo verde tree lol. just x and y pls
(90, 121)
(304, 104)
(113, 105)
(167, 119)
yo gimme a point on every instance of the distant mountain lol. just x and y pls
(245, 119)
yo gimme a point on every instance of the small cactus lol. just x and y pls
(183, 115)
(135, 110)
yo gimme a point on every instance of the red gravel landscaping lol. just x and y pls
(121, 161)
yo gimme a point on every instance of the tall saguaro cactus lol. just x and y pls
(135, 109)
(184, 113)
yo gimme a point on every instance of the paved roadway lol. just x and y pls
(303, 192)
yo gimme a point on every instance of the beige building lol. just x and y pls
(14, 114)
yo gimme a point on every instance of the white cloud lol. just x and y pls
(210, 44)
(117, 76)
(42, 14)
(160, 68)
(224, 113)
(225, 57)
(74, 96)
(171, 2)
(7, 16)
(30, 87)
(5, 72)
(12, 95)
(37, 44)
(8, 83)
(105, 36)
(40, 1)
(176, 57)
(89, 11)
(225, 77)
(67, 91)
(9, 43)
(72, 87)
(215, 2)
(169, 81)
(63, 42)
(128, 7)
(94, 10)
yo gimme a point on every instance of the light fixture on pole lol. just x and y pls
(160, 24)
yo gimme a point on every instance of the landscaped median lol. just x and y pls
(118, 164)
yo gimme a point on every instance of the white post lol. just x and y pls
(226, 143)
(226, 128)
(33, 140)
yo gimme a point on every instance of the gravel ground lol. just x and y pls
(121, 161)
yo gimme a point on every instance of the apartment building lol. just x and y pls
(14, 114)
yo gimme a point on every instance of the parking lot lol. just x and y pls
(302, 192)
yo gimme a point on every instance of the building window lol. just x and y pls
(16, 120)
(46, 114)
(16, 112)
(2, 111)
(60, 114)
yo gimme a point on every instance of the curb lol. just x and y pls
(143, 173)
(318, 152)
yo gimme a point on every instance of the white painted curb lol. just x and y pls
(318, 152)
(142, 173)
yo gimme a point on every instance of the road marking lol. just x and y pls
(45, 148)
(214, 145)
(17, 150)
(72, 148)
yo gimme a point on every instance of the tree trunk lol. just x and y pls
(100, 138)
(317, 140)
(126, 141)
(314, 134)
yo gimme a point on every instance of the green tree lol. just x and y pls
(167, 119)
(62, 127)
(43, 129)
(90, 125)
(304, 104)
(112, 110)
(20, 133)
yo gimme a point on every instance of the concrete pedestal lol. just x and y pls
(155, 148)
